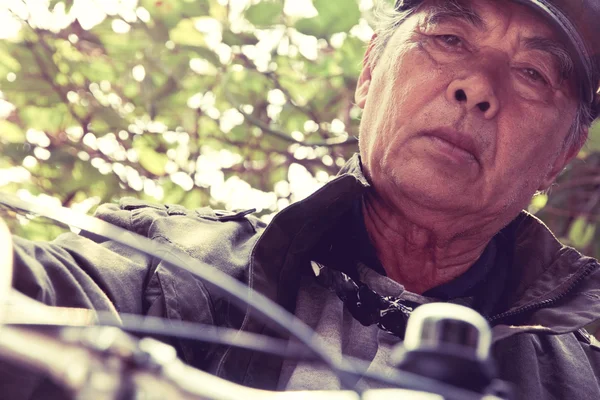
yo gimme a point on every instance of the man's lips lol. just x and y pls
(457, 139)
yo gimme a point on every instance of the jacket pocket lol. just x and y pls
(179, 296)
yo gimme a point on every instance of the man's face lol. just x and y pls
(466, 115)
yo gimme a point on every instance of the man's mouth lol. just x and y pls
(455, 143)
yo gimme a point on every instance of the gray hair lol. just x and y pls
(387, 20)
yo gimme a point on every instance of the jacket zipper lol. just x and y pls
(533, 307)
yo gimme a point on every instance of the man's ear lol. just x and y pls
(364, 80)
(563, 159)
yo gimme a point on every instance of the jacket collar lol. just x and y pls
(551, 286)
(293, 232)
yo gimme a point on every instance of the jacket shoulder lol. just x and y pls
(172, 220)
(140, 216)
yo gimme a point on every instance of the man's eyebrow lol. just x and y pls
(454, 9)
(555, 49)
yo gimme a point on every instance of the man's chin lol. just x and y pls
(430, 191)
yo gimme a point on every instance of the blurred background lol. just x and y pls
(227, 103)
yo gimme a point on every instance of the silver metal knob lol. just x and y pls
(444, 325)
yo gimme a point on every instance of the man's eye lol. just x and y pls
(449, 40)
(534, 75)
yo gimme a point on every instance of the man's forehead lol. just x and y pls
(458, 9)
(478, 14)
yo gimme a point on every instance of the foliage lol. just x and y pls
(201, 102)
(573, 205)
(188, 102)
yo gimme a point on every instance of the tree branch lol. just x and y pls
(333, 142)
(46, 76)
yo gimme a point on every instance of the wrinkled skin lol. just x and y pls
(434, 207)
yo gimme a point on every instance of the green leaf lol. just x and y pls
(170, 12)
(593, 143)
(194, 8)
(8, 61)
(186, 33)
(205, 53)
(38, 229)
(152, 161)
(110, 117)
(98, 70)
(238, 133)
(538, 202)
(338, 21)
(174, 194)
(194, 199)
(238, 39)
(39, 90)
(265, 13)
(165, 90)
(68, 4)
(11, 133)
(330, 20)
(311, 27)
(46, 119)
(81, 174)
(158, 31)
(581, 232)
(351, 52)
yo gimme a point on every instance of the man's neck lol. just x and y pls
(419, 257)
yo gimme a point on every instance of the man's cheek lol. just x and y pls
(537, 123)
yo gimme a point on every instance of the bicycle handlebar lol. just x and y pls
(105, 363)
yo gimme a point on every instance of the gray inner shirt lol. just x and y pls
(322, 310)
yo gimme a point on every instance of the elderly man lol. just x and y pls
(470, 108)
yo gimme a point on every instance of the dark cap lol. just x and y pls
(579, 21)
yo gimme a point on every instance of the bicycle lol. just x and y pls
(445, 354)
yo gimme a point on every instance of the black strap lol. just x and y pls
(389, 313)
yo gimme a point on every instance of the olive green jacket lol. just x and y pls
(539, 344)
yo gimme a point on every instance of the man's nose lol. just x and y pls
(476, 93)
